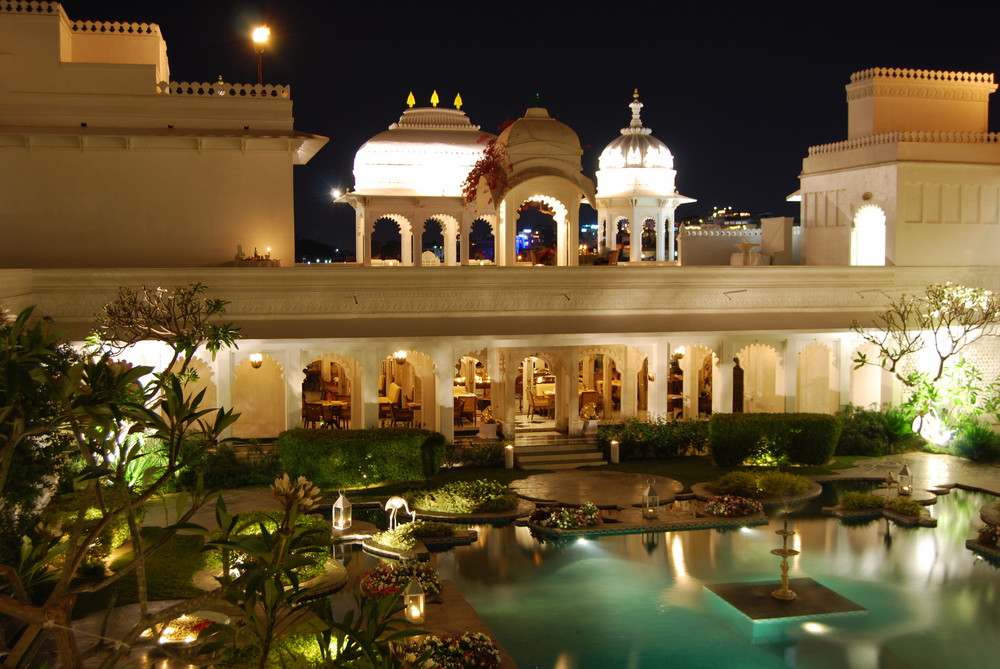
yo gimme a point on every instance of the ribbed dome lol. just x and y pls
(428, 152)
(536, 135)
(636, 147)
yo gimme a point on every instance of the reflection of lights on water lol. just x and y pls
(746, 529)
(816, 628)
(677, 559)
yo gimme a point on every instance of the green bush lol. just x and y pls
(223, 469)
(906, 506)
(854, 500)
(863, 432)
(358, 458)
(249, 526)
(795, 438)
(481, 496)
(485, 454)
(898, 424)
(782, 484)
(404, 537)
(977, 442)
(111, 537)
(740, 484)
(657, 438)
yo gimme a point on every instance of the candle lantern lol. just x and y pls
(905, 481)
(615, 451)
(413, 601)
(650, 501)
(341, 513)
(508, 456)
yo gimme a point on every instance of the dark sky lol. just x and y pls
(737, 93)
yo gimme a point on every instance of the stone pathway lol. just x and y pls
(930, 470)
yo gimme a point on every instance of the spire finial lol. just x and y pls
(458, 101)
(410, 100)
(635, 126)
(635, 95)
(435, 99)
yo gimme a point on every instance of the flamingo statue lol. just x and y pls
(394, 504)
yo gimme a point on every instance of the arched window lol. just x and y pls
(868, 236)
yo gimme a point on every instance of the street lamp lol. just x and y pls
(260, 37)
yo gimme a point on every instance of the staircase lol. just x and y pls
(551, 450)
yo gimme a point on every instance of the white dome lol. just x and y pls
(429, 152)
(636, 163)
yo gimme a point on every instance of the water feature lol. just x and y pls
(638, 600)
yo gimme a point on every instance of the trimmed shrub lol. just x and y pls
(863, 432)
(854, 501)
(782, 484)
(404, 537)
(795, 438)
(977, 442)
(223, 469)
(358, 458)
(740, 484)
(657, 438)
(906, 506)
(485, 454)
(481, 496)
(249, 526)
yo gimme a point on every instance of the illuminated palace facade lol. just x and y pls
(112, 175)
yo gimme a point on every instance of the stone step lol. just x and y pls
(563, 465)
(553, 447)
(560, 460)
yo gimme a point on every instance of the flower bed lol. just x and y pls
(733, 506)
(389, 578)
(567, 517)
(989, 535)
(469, 651)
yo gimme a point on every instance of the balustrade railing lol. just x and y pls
(224, 89)
(29, 7)
(930, 137)
(936, 76)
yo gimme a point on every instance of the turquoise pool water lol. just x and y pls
(638, 601)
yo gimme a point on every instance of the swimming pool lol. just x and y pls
(638, 601)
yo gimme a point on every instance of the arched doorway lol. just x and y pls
(623, 239)
(326, 391)
(817, 388)
(258, 395)
(472, 388)
(760, 381)
(482, 242)
(537, 233)
(432, 243)
(387, 241)
(600, 384)
(642, 390)
(691, 388)
(868, 236)
(535, 390)
(648, 240)
(406, 395)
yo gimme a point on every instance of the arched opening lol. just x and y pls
(600, 384)
(535, 390)
(642, 390)
(648, 240)
(432, 243)
(817, 389)
(760, 390)
(387, 241)
(623, 239)
(258, 395)
(406, 395)
(537, 233)
(482, 242)
(472, 391)
(868, 236)
(326, 393)
(690, 389)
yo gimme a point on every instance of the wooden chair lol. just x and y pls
(401, 415)
(333, 415)
(469, 408)
(312, 413)
(539, 405)
(459, 405)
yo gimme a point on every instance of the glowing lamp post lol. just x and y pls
(413, 602)
(260, 37)
(615, 452)
(341, 513)
(905, 481)
(650, 501)
(508, 456)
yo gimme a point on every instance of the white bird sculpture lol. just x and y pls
(394, 504)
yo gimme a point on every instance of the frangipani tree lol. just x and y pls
(922, 341)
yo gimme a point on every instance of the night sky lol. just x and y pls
(737, 94)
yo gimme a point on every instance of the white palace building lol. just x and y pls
(113, 175)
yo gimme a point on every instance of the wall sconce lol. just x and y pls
(256, 360)
(650, 501)
(399, 357)
(341, 513)
(413, 602)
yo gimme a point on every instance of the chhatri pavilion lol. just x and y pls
(114, 175)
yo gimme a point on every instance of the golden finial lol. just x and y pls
(435, 99)
(635, 95)
(410, 100)
(458, 100)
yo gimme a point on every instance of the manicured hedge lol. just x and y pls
(356, 458)
(657, 438)
(780, 438)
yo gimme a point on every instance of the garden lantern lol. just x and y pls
(650, 501)
(508, 456)
(905, 481)
(615, 451)
(413, 602)
(341, 513)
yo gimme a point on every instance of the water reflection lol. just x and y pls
(637, 601)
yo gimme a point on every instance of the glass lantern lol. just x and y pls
(413, 602)
(341, 513)
(905, 481)
(650, 501)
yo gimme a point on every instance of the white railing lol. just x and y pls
(223, 89)
(753, 232)
(934, 137)
(935, 76)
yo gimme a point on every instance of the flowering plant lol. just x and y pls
(493, 166)
(469, 651)
(388, 579)
(568, 517)
(731, 506)
(989, 534)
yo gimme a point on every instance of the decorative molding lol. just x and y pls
(928, 137)
(928, 76)
(222, 89)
